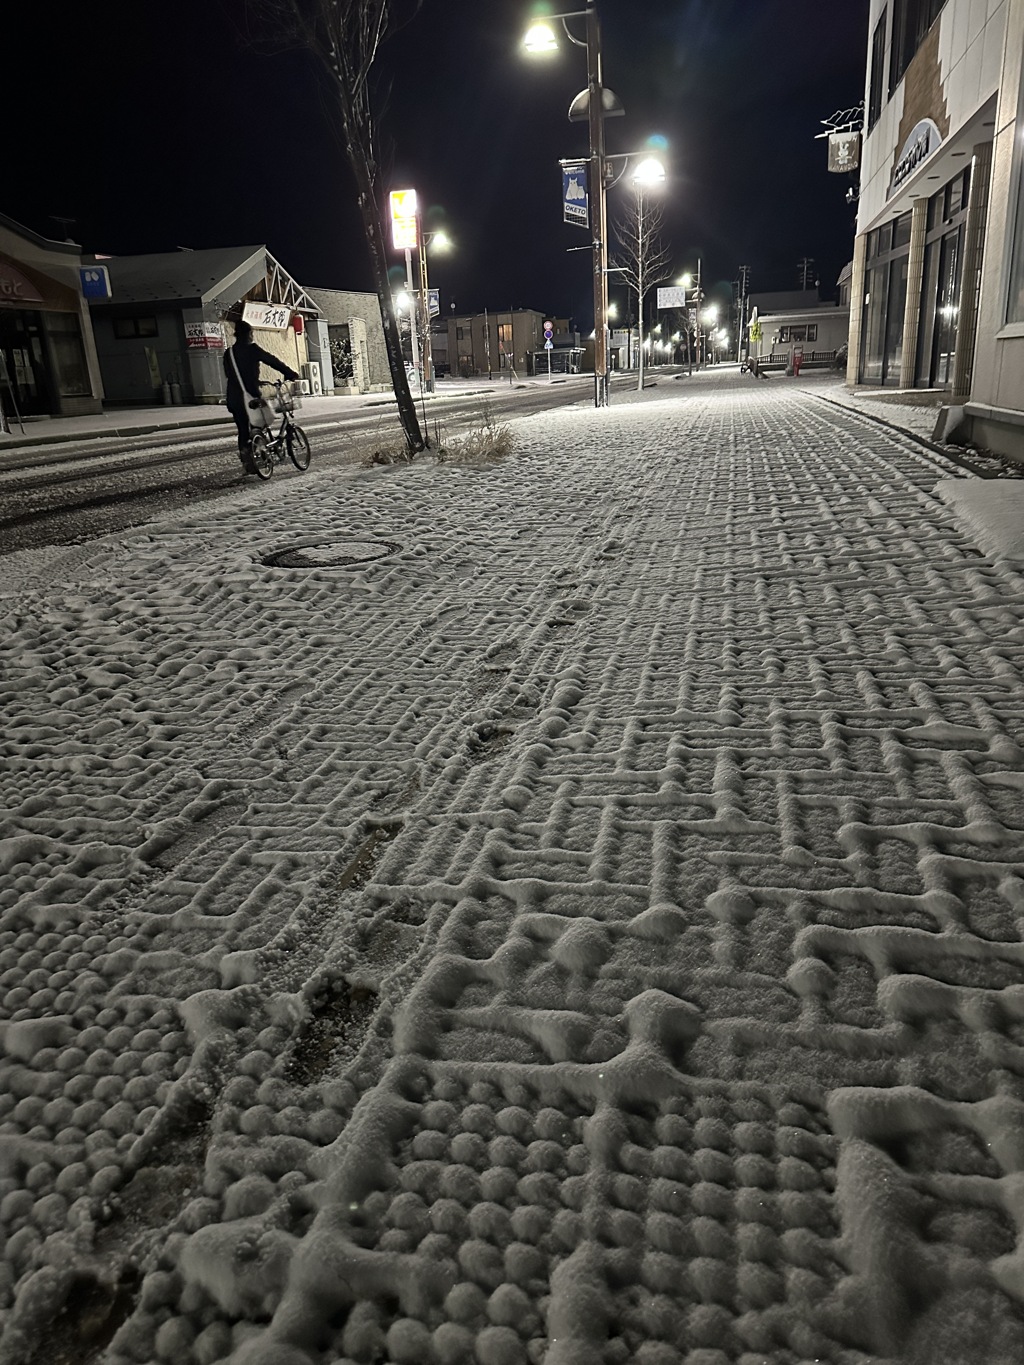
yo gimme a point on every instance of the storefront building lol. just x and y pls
(994, 410)
(501, 343)
(48, 362)
(162, 333)
(935, 69)
(356, 358)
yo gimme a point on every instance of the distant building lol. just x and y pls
(48, 361)
(169, 316)
(495, 343)
(800, 319)
(355, 340)
(937, 290)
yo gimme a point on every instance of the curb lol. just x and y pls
(64, 437)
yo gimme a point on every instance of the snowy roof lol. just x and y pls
(190, 277)
(20, 230)
(195, 278)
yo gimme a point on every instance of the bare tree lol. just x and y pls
(641, 256)
(345, 37)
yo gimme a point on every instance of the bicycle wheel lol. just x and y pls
(298, 447)
(262, 455)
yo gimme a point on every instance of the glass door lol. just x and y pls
(23, 370)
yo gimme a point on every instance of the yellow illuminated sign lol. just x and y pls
(403, 220)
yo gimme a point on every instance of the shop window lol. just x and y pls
(72, 372)
(801, 332)
(956, 195)
(901, 231)
(126, 329)
(877, 71)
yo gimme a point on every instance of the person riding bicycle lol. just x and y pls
(242, 363)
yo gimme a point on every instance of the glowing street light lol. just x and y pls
(594, 104)
(539, 39)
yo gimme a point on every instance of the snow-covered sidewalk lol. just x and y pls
(565, 910)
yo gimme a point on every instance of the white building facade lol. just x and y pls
(930, 265)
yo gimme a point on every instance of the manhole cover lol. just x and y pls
(329, 554)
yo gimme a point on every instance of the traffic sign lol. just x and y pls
(549, 331)
(549, 345)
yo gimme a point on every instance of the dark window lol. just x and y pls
(127, 328)
(68, 354)
(901, 231)
(911, 20)
(877, 71)
(957, 194)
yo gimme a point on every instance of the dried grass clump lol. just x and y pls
(489, 441)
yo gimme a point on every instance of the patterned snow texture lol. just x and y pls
(588, 933)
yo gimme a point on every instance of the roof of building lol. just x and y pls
(185, 277)
(71, 248)
(194, 278)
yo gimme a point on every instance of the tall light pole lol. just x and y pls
(595, 100)
(441, 240)
(541, 38)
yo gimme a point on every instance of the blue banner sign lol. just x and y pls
(575, 200)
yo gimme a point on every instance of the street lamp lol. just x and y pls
(689, 281)
(541, 38)
(442, 242)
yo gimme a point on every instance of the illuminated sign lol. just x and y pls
(403, 220)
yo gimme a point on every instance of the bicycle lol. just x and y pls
(290, 441)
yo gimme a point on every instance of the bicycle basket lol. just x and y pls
(287, 398)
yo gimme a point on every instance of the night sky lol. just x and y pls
(155, 126)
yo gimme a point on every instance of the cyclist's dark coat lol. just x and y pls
(248, 357)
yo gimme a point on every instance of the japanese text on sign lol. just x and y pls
(273, 315)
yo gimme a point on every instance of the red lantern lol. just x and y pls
(297, 324)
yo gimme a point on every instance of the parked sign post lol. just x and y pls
(549, 345)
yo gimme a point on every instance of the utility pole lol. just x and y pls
(411, 291)
(741, 304)
(598, 190)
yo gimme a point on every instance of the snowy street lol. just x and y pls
(564, 911)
